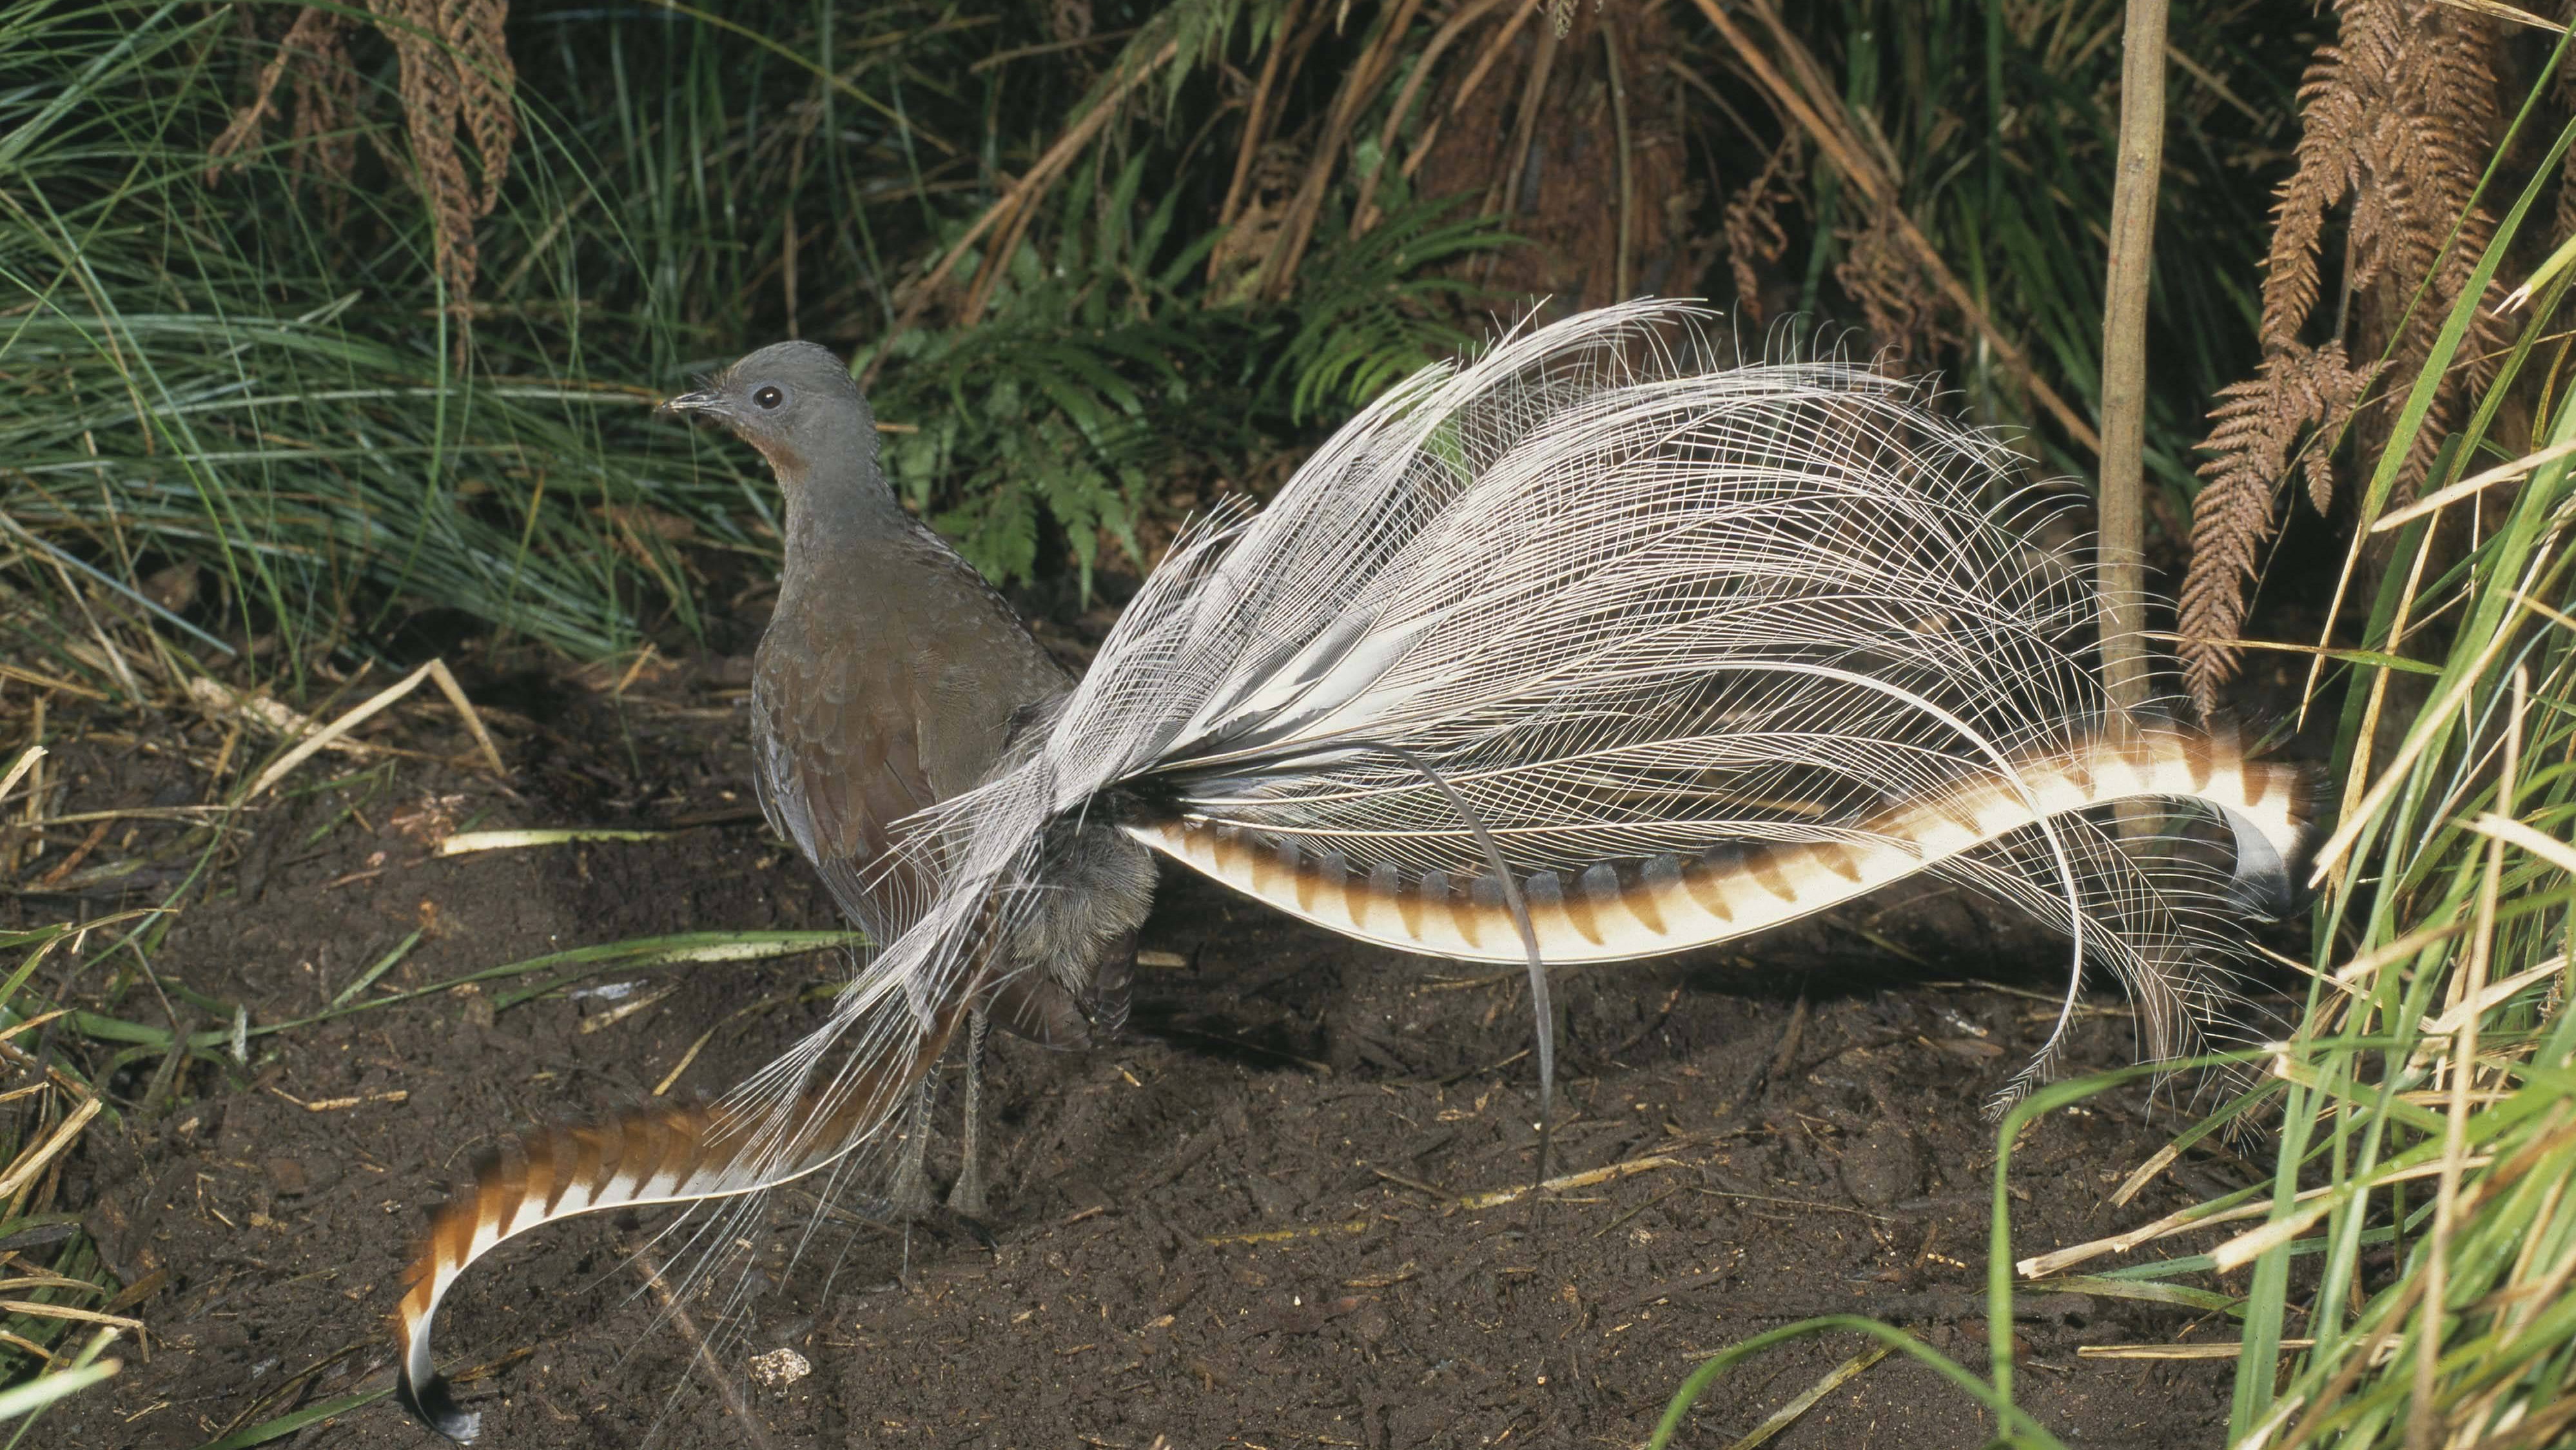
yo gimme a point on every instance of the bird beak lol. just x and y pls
(691, 403)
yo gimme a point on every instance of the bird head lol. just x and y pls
(795, 402)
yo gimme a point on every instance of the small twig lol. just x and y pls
(1787, 1052)
(1283, 1235)
(1624, 261)
(434, 670)
(1416, 1184)
(664, 1086)
(1662, 1015)
(1613, 1226)
(80, 853)
(334, 1105)
(734, 1404)
(1496, 1198)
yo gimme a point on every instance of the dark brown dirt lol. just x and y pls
(1235, 1226)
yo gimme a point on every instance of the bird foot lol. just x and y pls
(911, 1198)
(966, 1199)
(974, 1228)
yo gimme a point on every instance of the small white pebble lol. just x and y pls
(779, 1368)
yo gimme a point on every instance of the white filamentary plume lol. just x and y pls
(1696, 651)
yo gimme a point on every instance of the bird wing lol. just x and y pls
(837, 738)
(869, 707)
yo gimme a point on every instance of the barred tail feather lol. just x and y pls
(1650, 628)
(658, 1155)
(1614, 910)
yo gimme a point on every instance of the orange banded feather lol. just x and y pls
(646, 1156)
(1667, 904)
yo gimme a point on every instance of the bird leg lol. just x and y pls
(966, 1199)
(910, 1196)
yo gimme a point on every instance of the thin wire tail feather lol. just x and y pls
(1516, 902)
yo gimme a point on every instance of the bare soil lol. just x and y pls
(1239, 1224)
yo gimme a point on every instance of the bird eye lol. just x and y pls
(769, 397)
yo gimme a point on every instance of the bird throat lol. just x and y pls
(836, 509)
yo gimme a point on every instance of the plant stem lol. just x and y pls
(2124, 354)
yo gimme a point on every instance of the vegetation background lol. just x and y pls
(329, 335)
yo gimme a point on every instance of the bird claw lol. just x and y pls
(975, 1228)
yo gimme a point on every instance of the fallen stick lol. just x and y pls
(435, 670)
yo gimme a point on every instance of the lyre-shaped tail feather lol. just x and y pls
(657, 1155)
(1664, 903)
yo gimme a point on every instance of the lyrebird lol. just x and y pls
(1576, 651)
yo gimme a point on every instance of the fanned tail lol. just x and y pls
(1643, 629)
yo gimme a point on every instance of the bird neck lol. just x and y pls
(838, 510)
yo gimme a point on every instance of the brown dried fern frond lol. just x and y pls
(2300, 391)
(457, 80)
(312, 60)
(2400, 114)
(1754, 236)
(325, 89)
(457, 83)
(1901, 308)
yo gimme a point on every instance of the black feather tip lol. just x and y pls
(430, 1403)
